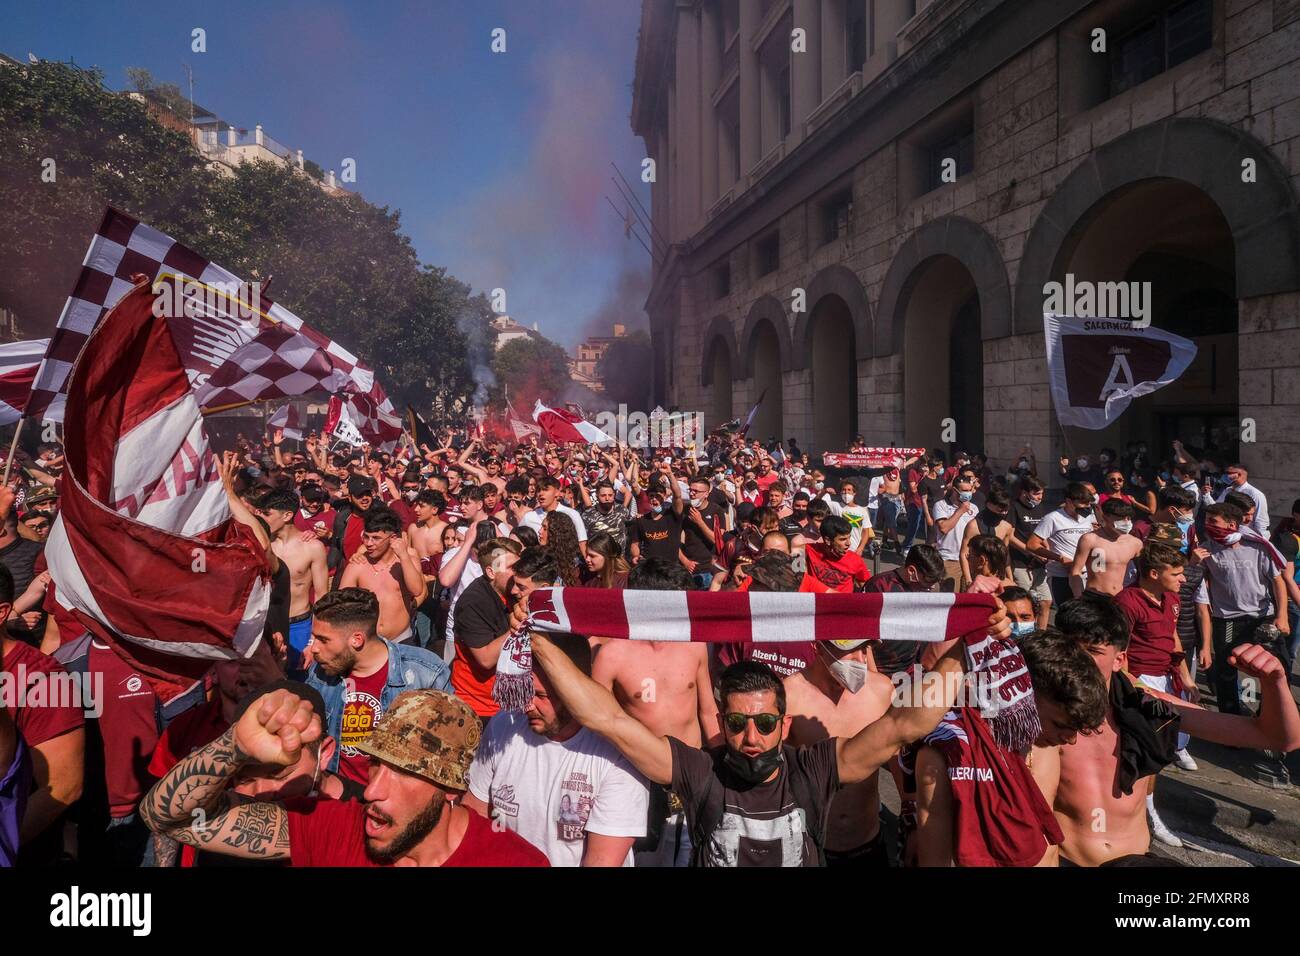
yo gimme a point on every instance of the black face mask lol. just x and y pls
(752, 770)
(1083, 511)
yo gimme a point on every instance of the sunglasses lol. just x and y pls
(763, 723)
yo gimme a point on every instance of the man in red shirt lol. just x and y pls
(1155, 655)
(419, 763)
(831, 562)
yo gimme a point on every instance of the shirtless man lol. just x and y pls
(390, 570)
(1104, 555)
(426, 534)
(837, 695)
(666, 686)
(304, 555)
(1101, 824)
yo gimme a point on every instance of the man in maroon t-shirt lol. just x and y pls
(419, 764)
(1155, 654)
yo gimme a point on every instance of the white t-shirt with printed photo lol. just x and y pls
(552, 793)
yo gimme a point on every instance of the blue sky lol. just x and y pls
(499, 163)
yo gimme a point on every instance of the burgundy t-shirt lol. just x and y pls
(325, 517)
(128, 726)
(332, 833)
(38, 723)
(363, 708)
(1153, 648)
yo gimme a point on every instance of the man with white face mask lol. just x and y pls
(1105, 556)
(837, 695)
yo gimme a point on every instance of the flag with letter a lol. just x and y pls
(1096, 367)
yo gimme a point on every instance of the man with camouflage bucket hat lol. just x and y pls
(420, 754)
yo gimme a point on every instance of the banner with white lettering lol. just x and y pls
(1096, 367)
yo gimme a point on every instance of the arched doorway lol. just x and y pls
(834, 375)
(765, 360)
(1172, 235)
(943, 359)
(719, 383)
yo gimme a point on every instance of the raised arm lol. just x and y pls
(867, 751)
(190, 804)
(1277, 726)
(594, 706)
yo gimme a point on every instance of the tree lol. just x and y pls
(530, 368)
(626, 369)
(341, 264)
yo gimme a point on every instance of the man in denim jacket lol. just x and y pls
(359, 674)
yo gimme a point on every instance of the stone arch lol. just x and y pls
(719, 332)
(971, 246)
(1263, 216)
(769, 310)
(840, 281)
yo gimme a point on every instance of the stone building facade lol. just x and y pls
(800, 148)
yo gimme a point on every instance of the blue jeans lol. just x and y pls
(888, 511)
(915, 526)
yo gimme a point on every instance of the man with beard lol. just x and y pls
(562, 788)
(360, 674)
(755, 801)
(419, 761)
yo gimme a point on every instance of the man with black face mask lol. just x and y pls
(1057, 537)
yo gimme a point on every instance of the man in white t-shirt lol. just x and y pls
(855, 514)
(951, 514)
(562, 787)
(1056, 539)
(458, 570)
(548, 500)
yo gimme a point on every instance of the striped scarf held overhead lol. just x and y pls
(769, 617)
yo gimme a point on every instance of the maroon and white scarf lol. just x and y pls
(780, 617)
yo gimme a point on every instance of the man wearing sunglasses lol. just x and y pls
(757, 800)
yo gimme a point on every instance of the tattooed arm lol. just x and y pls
(191, 804)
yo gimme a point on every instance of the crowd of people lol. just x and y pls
(363, 729)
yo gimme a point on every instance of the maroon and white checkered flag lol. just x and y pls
(237, 345)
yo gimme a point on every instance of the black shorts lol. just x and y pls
(871, 855)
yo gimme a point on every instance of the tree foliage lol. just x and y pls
(529, 368)
(343, 265)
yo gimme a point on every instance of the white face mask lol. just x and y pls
(848, 497)
(850, 675)
(1124, 527)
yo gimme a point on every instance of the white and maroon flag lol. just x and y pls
(145, 552)
(236, 345)
(562, 425)
(287, 420)
(1002, 684)
(1098, 366)
(18, 364)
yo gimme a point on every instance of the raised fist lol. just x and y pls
(276, 728)
(1256, 661)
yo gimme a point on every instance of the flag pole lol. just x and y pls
(13, 445)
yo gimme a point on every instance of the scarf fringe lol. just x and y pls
(1015, 727)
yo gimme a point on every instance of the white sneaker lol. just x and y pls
(1162, 832)
(1184, 760)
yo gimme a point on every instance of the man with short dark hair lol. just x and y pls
(548, 500)
(756, 801)
(1239, 479)
(1029, 570)
(305, 559)
(831, 562)
(1056, 538)
(389, 568)
(922, 571)
(482, 625)
(360, 674)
